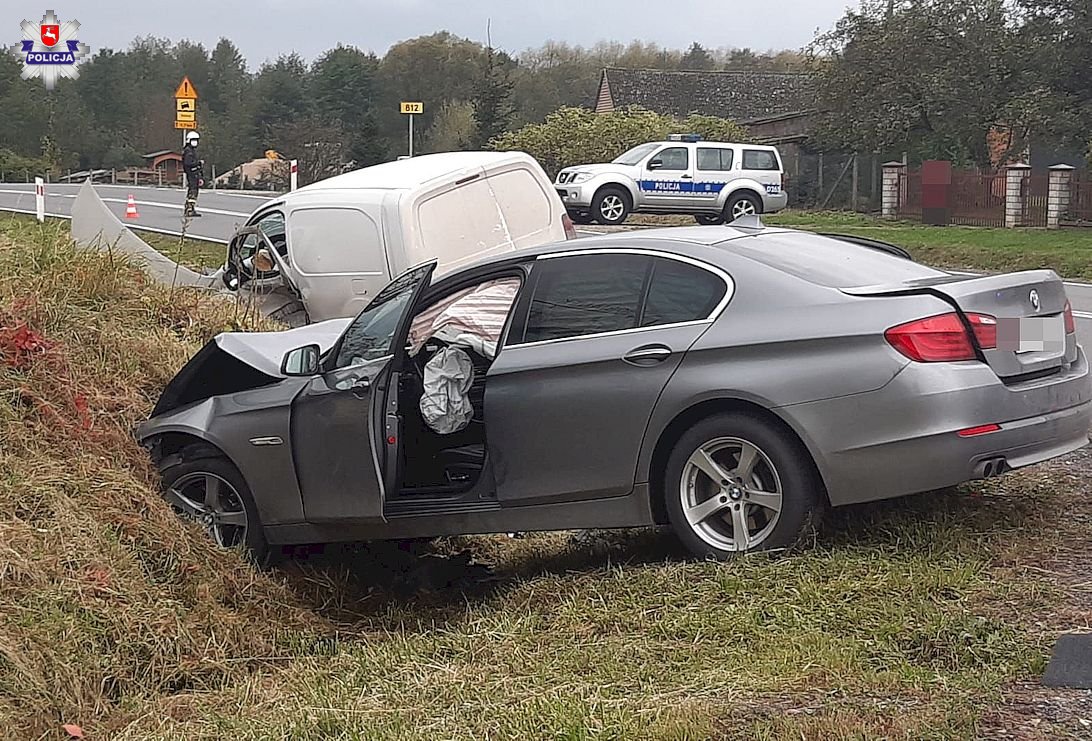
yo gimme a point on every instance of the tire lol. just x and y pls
(610, 206)
(185, 484)
(707, 522)
(709, 219)
(580, 219)
(741, 204)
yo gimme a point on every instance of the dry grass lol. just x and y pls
(106, 599)
(917, 619)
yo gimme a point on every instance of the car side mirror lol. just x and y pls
(303, 361)
(655, 164)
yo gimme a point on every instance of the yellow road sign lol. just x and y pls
(185, 116)
(186, 89)
(185, 124)
(412, 107)
(185, 104)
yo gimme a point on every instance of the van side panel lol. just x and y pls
(339, 257)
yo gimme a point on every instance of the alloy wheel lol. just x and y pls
(743, 207)
(612, 207)
(212, 502)
(731, 494)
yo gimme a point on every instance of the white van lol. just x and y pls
(331, 246)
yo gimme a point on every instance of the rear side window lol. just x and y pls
(759, 159)
(680, 292)
(586, 294)
(715, 159)
(335, 240)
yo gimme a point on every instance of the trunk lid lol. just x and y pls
(1028, 306)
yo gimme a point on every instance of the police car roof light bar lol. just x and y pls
(684, 137)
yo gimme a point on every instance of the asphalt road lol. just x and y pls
(159, 209)
(224, 212)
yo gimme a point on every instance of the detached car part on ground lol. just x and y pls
(717, 182)
(728, 381)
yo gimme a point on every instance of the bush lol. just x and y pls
(575, 136)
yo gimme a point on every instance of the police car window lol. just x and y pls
(714, 159)
(759, 159)
(674, 158)
(635, 155)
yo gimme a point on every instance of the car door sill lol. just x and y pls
(426, 507)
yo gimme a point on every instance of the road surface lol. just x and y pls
(159, 209)
(224, 212)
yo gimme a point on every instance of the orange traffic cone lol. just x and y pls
(130, 209)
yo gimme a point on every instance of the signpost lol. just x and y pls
(293, 174)
(412, 109)
(185, 106)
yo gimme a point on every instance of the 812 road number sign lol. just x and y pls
(413, 107)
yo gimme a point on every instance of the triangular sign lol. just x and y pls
(186, 89)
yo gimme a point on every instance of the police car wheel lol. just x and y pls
(610, 206)
(740, 205)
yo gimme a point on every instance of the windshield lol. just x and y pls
(635, 155)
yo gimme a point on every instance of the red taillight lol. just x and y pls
(1070, 325)
(570, 230)
(980, 430)
(943, 338)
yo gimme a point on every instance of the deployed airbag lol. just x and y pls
(445, 404)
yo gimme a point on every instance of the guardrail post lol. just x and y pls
(889, 191)
(1059, 194)
(1014, 194)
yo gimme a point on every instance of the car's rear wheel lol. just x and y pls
(740, 205)
(208, 489)
(735, 483)
(580, 219)
(709, 219)
(610, 206)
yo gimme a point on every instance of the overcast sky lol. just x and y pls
(263, 29)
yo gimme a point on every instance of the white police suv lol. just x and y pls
(714, 181)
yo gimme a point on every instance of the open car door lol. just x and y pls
(346, 430)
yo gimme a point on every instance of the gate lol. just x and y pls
(910, 195)
(1080, 200)
(978, 199)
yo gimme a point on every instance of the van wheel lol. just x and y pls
(610, 206)
(735, 484)
(709, 219)
(740, 205)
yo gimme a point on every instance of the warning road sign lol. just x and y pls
(186, 89)
(185, 104)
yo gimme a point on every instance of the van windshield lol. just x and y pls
(635, 155)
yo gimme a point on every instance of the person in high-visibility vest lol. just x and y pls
(195, 176)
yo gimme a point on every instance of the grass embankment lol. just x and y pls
(906, 620)
(1066, 251)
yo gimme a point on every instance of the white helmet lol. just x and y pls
(192, 137)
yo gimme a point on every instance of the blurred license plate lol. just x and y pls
(1031, 334)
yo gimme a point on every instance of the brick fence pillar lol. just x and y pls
(1014, 194)
(1058, 194)
(889, 190)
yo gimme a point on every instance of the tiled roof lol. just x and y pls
(739, 95)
